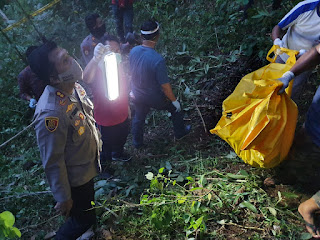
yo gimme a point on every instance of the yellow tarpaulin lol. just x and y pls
(256, 122)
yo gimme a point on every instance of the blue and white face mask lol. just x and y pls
(74, 73)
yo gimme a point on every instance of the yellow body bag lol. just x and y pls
(256, 122)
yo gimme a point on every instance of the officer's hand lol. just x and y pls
(285, 79)
(177, 105)
(301, 52)
(32, 103)
(278, 42)
(64, 207)
(98, 52)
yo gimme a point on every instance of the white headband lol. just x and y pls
(150, 32)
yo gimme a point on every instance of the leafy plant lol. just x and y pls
(7, 230)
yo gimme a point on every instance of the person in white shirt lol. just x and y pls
(300, 29)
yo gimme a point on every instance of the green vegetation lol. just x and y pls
(6, 226)
(191, 189)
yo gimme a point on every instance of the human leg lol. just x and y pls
(118, 18)
(128, 19)
(141, 111)
(120, 134)
(106, 137)
(307, 209)
(179, 127)
(82, 216)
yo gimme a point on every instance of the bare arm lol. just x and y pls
(168, 91)
(277, 32)
(307, 61)
(90, 71)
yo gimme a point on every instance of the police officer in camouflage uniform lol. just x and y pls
(97, 29)
(67, 138)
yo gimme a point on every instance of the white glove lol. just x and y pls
(301, 52)
(98, 52)
(278, 42)
(32, 103)
(285, 79)
(176, 104)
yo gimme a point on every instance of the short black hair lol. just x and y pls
(91, 20)
(39, 61)
(149, 26)
(109, 37)
(29, 50)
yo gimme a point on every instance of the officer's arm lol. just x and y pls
(307, 61)
(89, 72)
(51, 130)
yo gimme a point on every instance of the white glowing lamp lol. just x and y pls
(111, 75)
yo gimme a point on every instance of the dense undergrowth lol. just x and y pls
(193, 189)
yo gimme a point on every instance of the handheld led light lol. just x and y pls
(111, 76)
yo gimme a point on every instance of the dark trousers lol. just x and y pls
(113, 138)
(142, 108)
(123, 15)
(81, 219)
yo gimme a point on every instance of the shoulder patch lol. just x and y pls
(51, 123)
(60, 94)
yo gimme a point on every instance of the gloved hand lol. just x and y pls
(301, 52)
(98, 52)
(285, 79)
(278, 42)
(32, 103)
(176, 104)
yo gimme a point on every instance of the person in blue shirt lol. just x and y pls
(150, 85)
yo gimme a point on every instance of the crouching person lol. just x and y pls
(67, 138)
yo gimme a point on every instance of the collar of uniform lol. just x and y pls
(80, 91)
(73, 97)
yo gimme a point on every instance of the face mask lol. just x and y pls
(73, 74)
(99, 32)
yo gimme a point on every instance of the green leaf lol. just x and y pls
(197, 223)
(186, 217)
(129, 189)
(243, 172)
(305, 236)
(190, 179)
(272, 211)
(92, 203)
(182, 200)
(8, 218)
(149, 175)
(196, 188)
(168, 166)
(206, 68)
(209, 196)
(246, 204)
(160, 170)
(289, 195)
(236, 176)
(180, 178)
(16, 232)
(231, 155)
